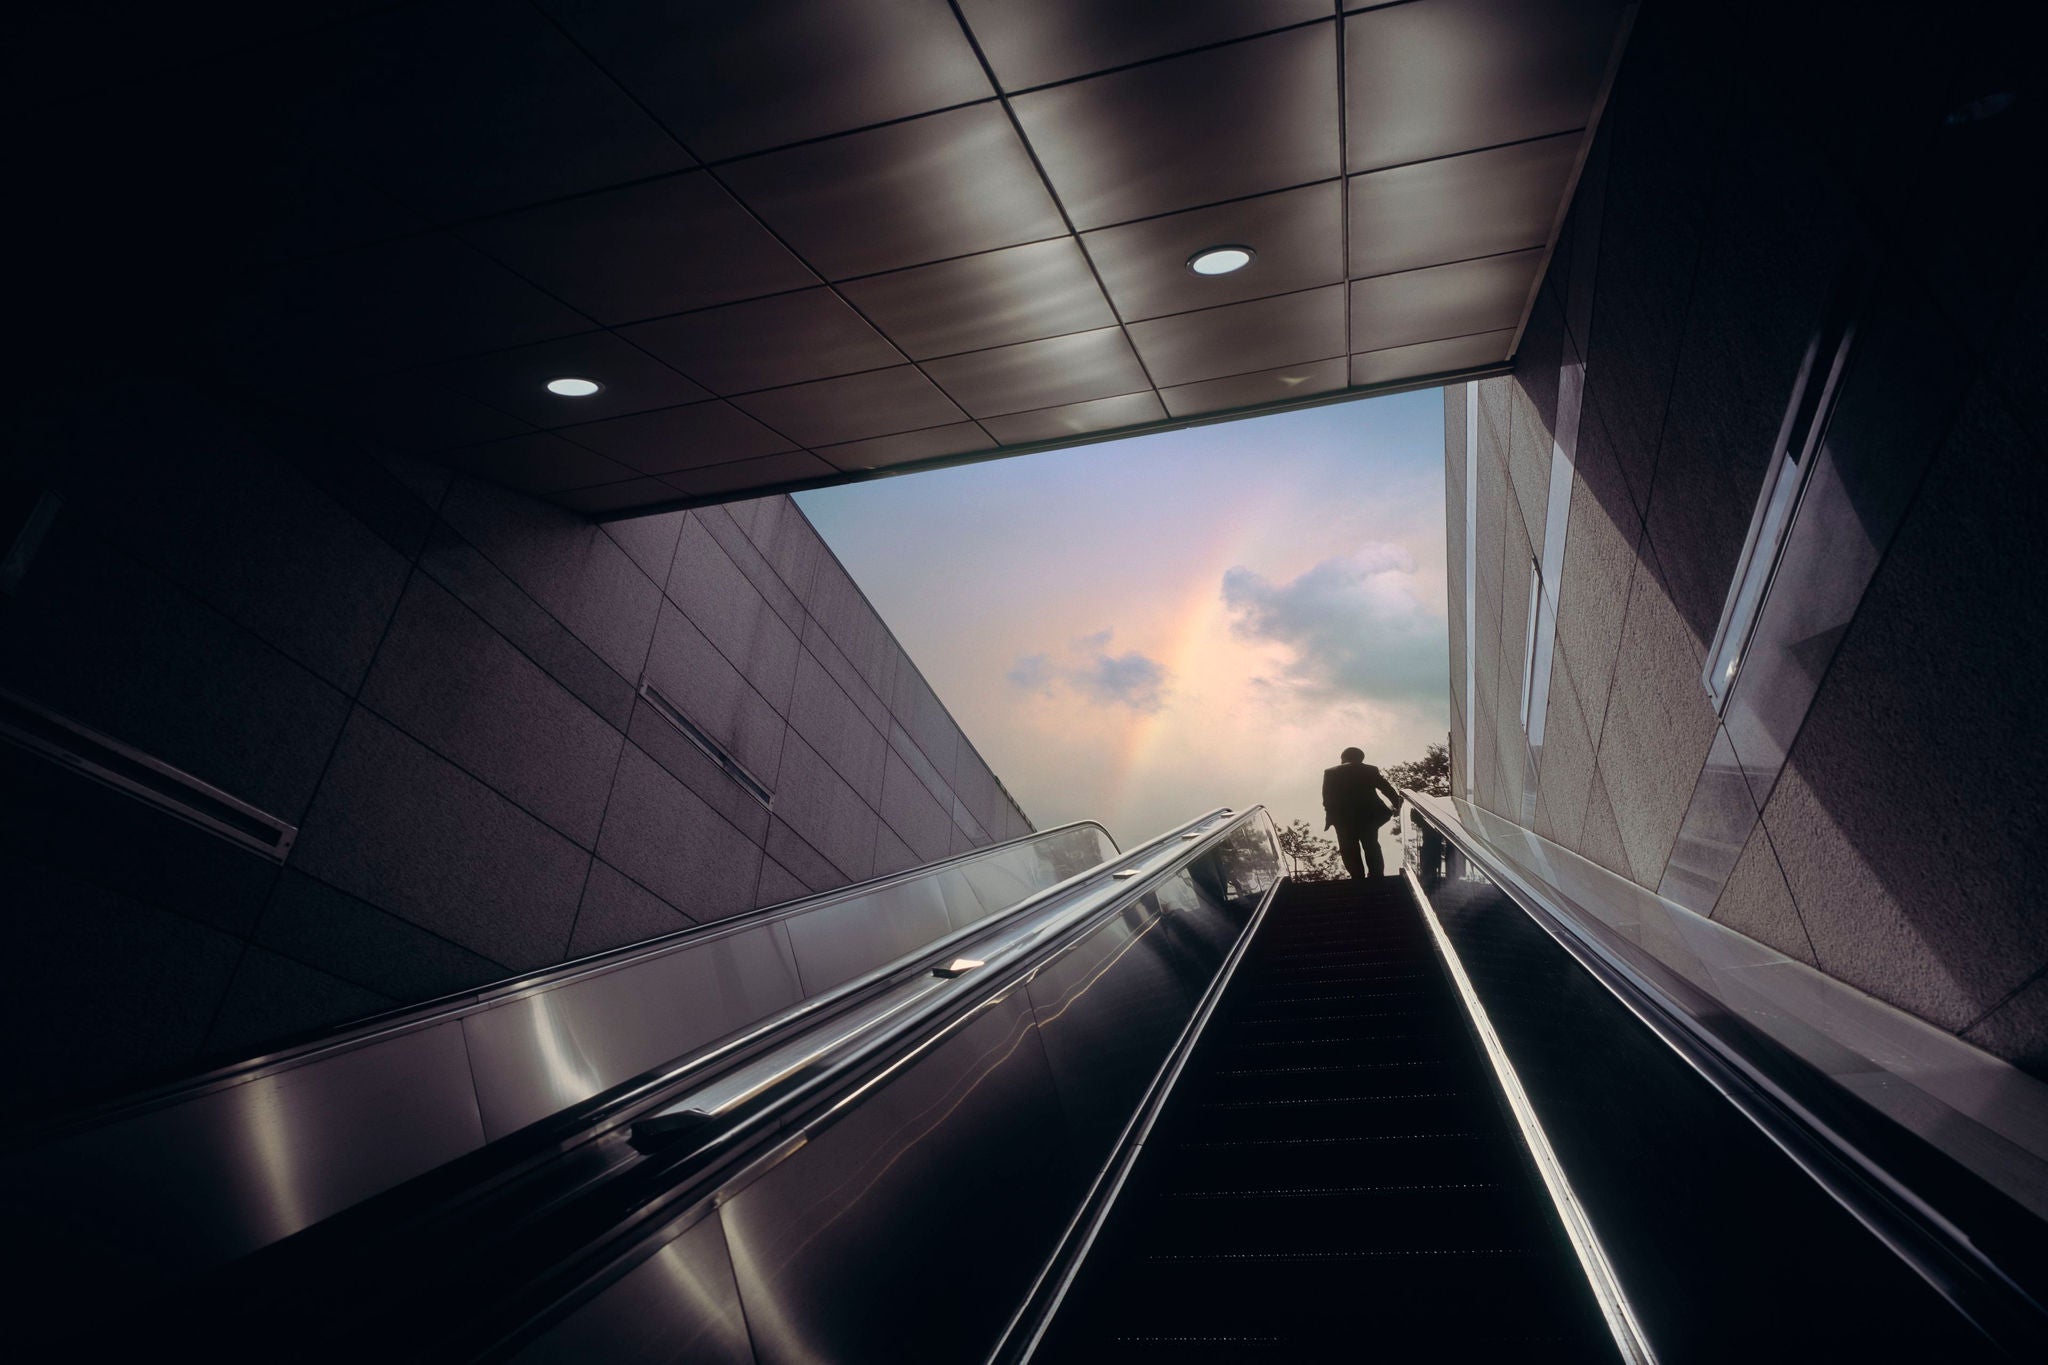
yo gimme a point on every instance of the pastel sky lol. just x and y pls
(1142, 630)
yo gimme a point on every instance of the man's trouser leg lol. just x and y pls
(1347, 849)
(1375, 860)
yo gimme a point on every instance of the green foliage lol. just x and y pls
(1430, 774)
(1312, 857)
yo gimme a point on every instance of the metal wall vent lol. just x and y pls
(713, 750)
(150, 780)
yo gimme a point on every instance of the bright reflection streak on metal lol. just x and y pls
(569, 1072)
(1578, 1227)
(270, 1143)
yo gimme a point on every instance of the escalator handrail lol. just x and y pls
(787, 1102)
(1026, 1329)
(358, 1032)
(453, 1195)
(1761, 1079)
(750, 1083)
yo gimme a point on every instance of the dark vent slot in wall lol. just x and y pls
(713, 750)
(147, 779)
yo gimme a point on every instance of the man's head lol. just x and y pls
(1351, 756)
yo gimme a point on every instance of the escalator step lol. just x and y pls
(1334, 1176)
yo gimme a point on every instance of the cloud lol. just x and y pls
(1089, 670)
(1127, 680)
(1355, 628)
(1033, 673)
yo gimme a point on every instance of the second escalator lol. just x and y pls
(1335, 1175)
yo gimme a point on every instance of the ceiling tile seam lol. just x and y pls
(1242, 303)
(1263, 369)
(818, 448)
(560, 434)
(399, 371)
(576, 45)
(817, 282)
(672, 369)
(728, 191)
(744, 459)
(1001, 97)
(450, 234)
(948, 260)
(1343, 160)
(802, 142)
(534, 285)
(469, 220)
(612, 332)
(1444, 265)
(821, 281)
(1342, 177)
(1211, 204)
(1352, 393)
(618, 328)
(564, 431)
(459, 223)
(1464, 151)
(1055, 407)
(1214, 379)
(714, 394)
(300, 34)
(1052, 191)
(1436, 341)
(1141, 62)
(917, 365)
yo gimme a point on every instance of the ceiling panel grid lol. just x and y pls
(804, 241)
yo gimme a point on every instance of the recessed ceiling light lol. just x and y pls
(574, 388)
(1220, 260)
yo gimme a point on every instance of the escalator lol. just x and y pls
(1335, 1167)
(1049, 1102)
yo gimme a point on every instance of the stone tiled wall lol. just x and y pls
(1898, 848)
(437, 681)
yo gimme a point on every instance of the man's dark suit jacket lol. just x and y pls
(1351, 796)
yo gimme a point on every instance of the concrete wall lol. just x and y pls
(436, 680)
(1896, 845)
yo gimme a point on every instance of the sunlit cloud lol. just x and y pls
(1090, 671)
(1354, 629)
(1142, 726)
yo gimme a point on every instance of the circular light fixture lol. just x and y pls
(574, 388)
(1220, 260)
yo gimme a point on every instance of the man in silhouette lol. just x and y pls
(1352, 806)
